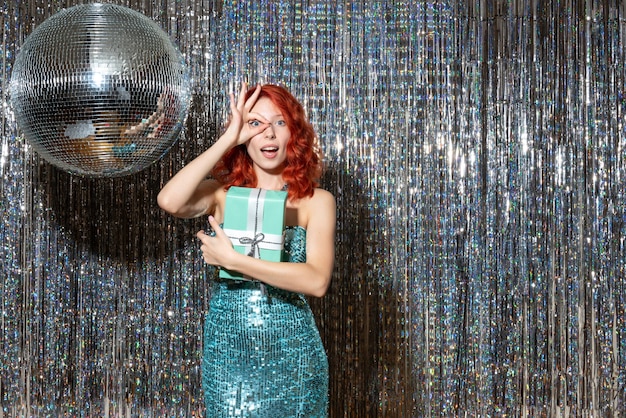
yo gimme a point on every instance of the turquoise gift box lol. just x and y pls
(254, 220)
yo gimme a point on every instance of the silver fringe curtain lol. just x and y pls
(477, 151)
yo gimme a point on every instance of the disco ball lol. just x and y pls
(100, 90)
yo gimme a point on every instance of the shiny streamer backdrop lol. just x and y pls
(478, 154)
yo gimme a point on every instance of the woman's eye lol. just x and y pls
(254, 123)
(281, 123)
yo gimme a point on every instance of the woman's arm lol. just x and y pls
(311, 278)
(188, 194)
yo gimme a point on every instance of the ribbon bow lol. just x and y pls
(253, 242)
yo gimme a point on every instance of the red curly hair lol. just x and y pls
(303, 166)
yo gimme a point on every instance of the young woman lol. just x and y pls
(263, 355)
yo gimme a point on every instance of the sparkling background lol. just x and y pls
(477, 152)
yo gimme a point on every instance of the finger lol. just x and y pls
(241, 101)
(233, 103)
(202, 236)
(256, 116)
(256, 130)
(252, 100)
(219, 232)
(216, 227)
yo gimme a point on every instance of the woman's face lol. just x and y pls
(268, 149)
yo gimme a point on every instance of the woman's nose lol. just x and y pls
(269, 131)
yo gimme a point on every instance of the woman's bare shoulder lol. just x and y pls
(324, 197)
(321, 203)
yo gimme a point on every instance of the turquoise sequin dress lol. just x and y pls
(263, 355)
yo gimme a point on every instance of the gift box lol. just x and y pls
(254, 220)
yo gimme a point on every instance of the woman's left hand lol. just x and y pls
(216, 250)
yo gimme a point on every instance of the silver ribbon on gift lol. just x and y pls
(253, 239)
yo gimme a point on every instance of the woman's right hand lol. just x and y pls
(239, 129)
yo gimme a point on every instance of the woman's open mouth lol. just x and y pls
(269, 152)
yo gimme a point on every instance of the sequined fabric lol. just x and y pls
(263, 355)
